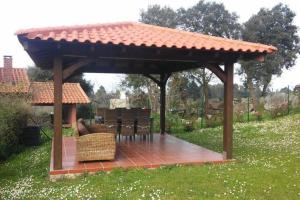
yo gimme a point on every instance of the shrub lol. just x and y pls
(260, 111)
(240, 111)
(85, 111)
(42, 119)
(214, 120)
(188, 125)
(279, 110)
(174, 123)
(13, 118)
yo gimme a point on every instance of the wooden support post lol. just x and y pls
(57, 141)
(162, 108)
(228, 111)
(163, 81)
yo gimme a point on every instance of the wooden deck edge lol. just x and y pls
(56, 175)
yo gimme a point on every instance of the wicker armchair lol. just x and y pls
(99, 145)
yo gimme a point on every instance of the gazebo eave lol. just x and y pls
(109, 58)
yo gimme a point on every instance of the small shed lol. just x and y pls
(43, 98)
(12, 80)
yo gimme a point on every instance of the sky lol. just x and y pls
(16, 14)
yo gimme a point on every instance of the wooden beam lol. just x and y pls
(166, 78)
(57, 141)
(152, 78)
(72, 68)
(228, 111)
(135, 67)
(133, 53)
(216, 69)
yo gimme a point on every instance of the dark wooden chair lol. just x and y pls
(100, 115)
(144, 123)
(127, 125)
(111, 120)
(135, 112)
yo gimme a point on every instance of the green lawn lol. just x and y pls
(267, 167)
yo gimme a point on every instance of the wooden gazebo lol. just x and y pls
(135, 48)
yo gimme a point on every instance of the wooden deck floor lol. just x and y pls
(163, 150)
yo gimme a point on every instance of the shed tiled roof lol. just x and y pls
(9, 88)
(13, 75)
(139, 34)
(13, 80)
(42, 93)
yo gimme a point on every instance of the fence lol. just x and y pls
(275, 104)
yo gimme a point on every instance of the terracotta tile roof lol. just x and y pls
(139, 34)
(13, 80)
(42, 93)
(13, 75)
(9, 88)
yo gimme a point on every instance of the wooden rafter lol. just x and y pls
(163, 78)
(67, 72)
(152, 78)
(218, 71)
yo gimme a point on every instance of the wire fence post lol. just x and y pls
(91, 113)
(248, 108)
(288, 103)
(202, 112)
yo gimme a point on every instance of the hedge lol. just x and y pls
(14, 111)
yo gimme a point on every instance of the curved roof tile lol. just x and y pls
(139, 34)
(43, 93)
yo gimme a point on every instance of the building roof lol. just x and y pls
(42, 93)
(13, 80)
(17, 88)
(13, 75)
(139, 34)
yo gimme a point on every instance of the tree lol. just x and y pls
(140, 83)
(160, 16)
(86, 85)
(138, 99)
(100, 98)
(178, 92)
(212, 19)
(193, 90)
(202, 77)
(274, 27)
(37, 74)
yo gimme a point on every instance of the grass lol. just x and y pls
(267, 164)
